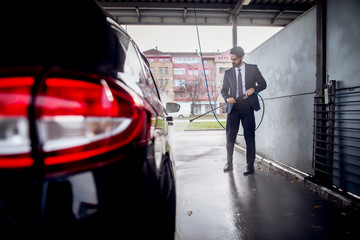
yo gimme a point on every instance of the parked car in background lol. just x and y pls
(185, 111)
(84, 145)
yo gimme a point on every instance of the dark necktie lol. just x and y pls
(240, 86)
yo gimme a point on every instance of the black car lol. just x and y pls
(84, 145)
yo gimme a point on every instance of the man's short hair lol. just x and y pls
(238, 51)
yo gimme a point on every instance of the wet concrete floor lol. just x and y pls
(212, 204)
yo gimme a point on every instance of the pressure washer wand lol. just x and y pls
(207, 112)
(236, 99)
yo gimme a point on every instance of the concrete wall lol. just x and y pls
(287, 61)
(343, 42)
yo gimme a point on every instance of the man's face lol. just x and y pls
(236, 61)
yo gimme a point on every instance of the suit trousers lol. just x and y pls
(244, 112)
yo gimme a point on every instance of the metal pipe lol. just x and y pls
(207, 112)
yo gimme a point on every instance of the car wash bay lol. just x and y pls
(311, 122)
(311, 67)
(212, 204)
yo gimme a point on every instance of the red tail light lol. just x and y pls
(15, 97)
(77, 121)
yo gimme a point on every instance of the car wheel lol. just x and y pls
(168, 198)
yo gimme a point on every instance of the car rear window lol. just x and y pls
(72, 34)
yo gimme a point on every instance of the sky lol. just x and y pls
(184, 38)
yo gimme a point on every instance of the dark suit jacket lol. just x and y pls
(253, 79)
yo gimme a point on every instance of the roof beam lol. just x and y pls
(237, 8)
(205, 6)
(138, 14)
(209, 12)
(172, 5)
(277, 15)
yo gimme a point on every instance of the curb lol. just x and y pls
(204, 129)
(292, 174)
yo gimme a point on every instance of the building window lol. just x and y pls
(161, 60)
(163, 83)
(166, 70)
(188, 60)
(179, 95)
(179, 83)
(179, 71)
(222, 70)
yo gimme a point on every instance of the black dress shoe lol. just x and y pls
(228, 167)
(248, 172)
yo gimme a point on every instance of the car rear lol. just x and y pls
(73, 134)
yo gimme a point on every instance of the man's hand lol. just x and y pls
(249, 92)
(230, 100)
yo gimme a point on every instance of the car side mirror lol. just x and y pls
(172, 107)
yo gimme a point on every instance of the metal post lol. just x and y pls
(331, 88)
(320, 47)
(234, 29)
(322, 162)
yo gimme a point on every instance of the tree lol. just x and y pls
(161, 84)
(195, 88)
(213, 87)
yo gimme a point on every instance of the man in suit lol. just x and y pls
(240, 83)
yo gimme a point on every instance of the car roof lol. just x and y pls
(68, 34)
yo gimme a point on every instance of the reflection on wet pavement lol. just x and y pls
(216, 205)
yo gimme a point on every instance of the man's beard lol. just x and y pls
(237, 65)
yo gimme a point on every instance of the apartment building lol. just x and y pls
(180, 77)
(161, 67)
(223, 62)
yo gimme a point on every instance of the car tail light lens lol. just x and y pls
(79, 120)
(15, 146)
